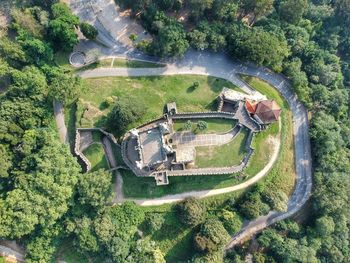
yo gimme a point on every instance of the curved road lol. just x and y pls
(219, 65)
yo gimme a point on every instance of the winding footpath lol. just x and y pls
(219, 65)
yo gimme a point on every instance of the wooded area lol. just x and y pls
(44, 197)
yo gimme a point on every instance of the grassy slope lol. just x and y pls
(222, 156)
(282, 175)
(214, 126)
(155, 92)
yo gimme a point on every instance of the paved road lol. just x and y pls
(219, 65)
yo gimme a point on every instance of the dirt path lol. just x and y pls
(119, 194)
(59, 117)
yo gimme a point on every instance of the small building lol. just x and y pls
(265, 112)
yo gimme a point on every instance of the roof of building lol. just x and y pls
(251, 106)
(268, 111)
(151, 145)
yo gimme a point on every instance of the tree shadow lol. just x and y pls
(191, 89)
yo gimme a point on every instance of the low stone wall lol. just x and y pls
(77, 148)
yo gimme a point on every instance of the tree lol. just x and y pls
(258, 46)
(95, 188)
(154, 222)
(198, 7)
(211, 237)
(62, 27)
(188, 125)
(231, 221)
(170, 42)
(89, 31)
(125, 111)
(63, 87)
(224, 10)
(146, 251)
(293, 10)
(253, 206)
(190, 211)
(5, 161)
(325, 226)
(277, 200)
(258, 8)
(48, 175)
(198, 39)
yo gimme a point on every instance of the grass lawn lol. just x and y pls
(224, 155)
(214, 125)
(282, 175)
(155, 92)
(126, 63)
(96, 156)
(145, 187)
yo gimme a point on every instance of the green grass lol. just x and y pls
(155, 92)
(282, 175)
(224, 155)
(145, 187)
(214, 126)
(96, 156)
(126, 63)
(263, 147)
(2, 259)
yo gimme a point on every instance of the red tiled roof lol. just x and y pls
(251, 106)
(268, 111)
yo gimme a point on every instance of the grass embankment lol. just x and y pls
(214, 126)
(96, 155)
(224, 155)
(155, 92)
(282, 175)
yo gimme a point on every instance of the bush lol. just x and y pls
(188, 125)
(190, 211)
(202, 125)
(89, 31)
